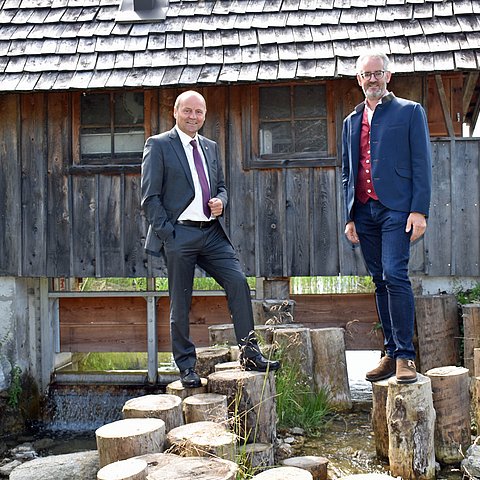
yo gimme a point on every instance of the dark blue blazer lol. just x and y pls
(167, 184)
(400, 155)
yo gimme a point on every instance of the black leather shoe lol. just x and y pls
(259, 363)
(190, 378)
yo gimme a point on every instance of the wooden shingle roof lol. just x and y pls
(77, 44)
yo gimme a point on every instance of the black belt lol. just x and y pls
(193, 223)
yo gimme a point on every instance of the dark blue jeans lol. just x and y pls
(386, 249)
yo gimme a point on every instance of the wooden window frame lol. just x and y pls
(293, 160)
(128, 164)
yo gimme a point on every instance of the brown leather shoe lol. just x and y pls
(406, 371)
(385, 369)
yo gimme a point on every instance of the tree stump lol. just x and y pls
(130, 469)
(163, 466)
(176, 388)
(208, 357)
(379, 417)
(222, 334)
(257, 456)
(234, 353)
(411, 423)
(368, 476)
(202, 439)
(438, 333)
(317, 466)
(451, 400)
(471, 333)
(164, 406)
(205, 407)
(330, 365)
(277, 312)
(251, 402)
(295, 347)
(284, 473)
(220, 367)
(128, 438)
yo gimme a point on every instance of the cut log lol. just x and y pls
(265, 332)
(368, 476)
(438, 333)
(284, 473)
(257, 456)
(330, 366)
(222, 334)
(130, 469)
(206, 407)
(317, 466)
(163, 466)
(251, 403)
(471, 333)
(164, 406)
(234, 353)
(208, 357)
(379, 417)
(176, 388)
(129, 438)
(295, 349)
(411, 423)
(476, 362)
(220, 367)
(278, 312)
(202, 439)
(451, 400)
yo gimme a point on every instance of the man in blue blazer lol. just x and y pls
(184, 199)
(386, 174)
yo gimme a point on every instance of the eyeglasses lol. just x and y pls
(368, 75)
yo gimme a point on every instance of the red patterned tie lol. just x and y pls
(202, 177)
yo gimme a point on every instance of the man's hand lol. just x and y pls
(351, 233)
(216, 206)
(417, 224)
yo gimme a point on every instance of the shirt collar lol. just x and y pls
(184, 138)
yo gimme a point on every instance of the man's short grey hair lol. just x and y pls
(372, 54)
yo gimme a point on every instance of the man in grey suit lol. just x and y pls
(184, 199)
(386, 173)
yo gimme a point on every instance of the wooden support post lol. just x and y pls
(152, 335)
(208, 357)
(130, 469)
(276, 287)
(129, 438)
(258, 456)
(379, 417)
(476, 362)
(251, 402)
(438, 332)
(471, 333)
(284, 473)
(203, 407)
(202, 439)
(163, 466)
(317, 466)
(330, 365)
(451, 400)
(164, 406)
(295, 347)
(411, 423)
(176, 388)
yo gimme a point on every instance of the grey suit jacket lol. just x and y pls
(167, 184)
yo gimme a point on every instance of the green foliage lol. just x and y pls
(15, 390)
(297, 405)
(469, 296)
(118, 361)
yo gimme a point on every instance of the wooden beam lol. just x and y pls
(443, 102)
(468, 90)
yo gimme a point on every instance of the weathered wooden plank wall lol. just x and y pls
(59, 219)
(106, 324)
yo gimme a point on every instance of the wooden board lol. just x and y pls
(118, 324)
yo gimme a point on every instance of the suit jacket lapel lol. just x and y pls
(180, 151)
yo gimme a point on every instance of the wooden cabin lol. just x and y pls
(83, 83)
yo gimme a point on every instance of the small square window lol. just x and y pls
(111, 127)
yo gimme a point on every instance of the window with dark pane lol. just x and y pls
(292, 120)
(112, 127)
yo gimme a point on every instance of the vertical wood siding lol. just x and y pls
(282, 221)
